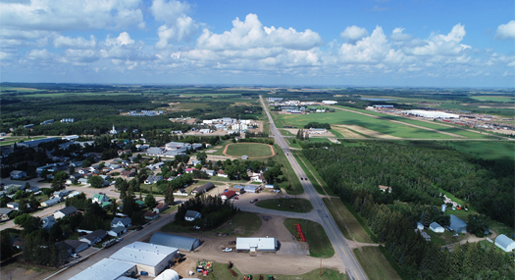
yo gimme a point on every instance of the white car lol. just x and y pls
(227, 250)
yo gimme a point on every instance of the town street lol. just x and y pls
(325, 219)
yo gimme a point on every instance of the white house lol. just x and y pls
(191, 215)
(121, 222)
(221, 173)
(65, 212)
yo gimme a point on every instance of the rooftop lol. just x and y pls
(143, 253)
(106, 269)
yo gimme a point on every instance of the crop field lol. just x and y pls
(370, 123)
(375, 264)
(503, 150)
(502, 98)
(252, 150)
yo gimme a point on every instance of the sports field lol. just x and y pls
(252, 150)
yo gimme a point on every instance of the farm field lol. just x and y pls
(502, 98)
(375, 264)
(370, 123)
(319, 244)
(504, 151)
(252, 150)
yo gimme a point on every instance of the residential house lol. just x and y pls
(76, 176)
(190, 170)
(117, 231)
(227, 195)
(65, 212)
(100, 198)
(61, 194)
(115, 166)
(50, 202)
(203, 189)
(121, 222)
(458, 225)
(121, 152)
(76, 246)
(84, 171)
(385, 188)
(210, 172)
(82, 181)
(32, 189)
(93, 237)
(47, 223)
(105, 177)
(160, 207)
(4, 213)
(191, 215)
(18, 174)
(221, 173)
(151, 215)
(128, 173)
(195, 162)
(152, 179)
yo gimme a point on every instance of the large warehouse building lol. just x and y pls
(175, 241)
(147, 257)
(107, 269)
(256, 244)
(431, 114)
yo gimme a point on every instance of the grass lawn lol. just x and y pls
(285, 132)
(502, 150)
(249, 149)
(299, 205)
(319, 244)
(347, 223)
(242, 224)
(292, 179)
(444, 238)
(221, 272)
(375, 264)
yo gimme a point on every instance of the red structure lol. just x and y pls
(300, 233)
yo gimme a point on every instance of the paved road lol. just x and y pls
(352, 266)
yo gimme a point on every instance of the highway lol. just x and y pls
(354, 270)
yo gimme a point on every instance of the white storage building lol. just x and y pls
(147, 257)
(106, 269)
(505, 243)
(256, 244)
(175, 241)
(434, 226)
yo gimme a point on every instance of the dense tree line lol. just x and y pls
(317, 125)
(415, 171)
(214, 211)
(355, 172)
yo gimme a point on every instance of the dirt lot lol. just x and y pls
(22, 271)
(347, 133)
(369, 132)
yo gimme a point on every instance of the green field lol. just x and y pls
(375, 264)
(502, 98)
(221, 272)
(298, 205)
(319, 244)
(252, 150)
(350, 118)
(347, 223)
(241, 224)
(502, 150)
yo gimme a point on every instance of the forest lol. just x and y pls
(415, 171)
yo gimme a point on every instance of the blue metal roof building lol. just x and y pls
(458, 225)
(175, 241)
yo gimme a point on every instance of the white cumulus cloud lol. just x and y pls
(74, 43)
(178, 26)
(354, 33)
(506, 31)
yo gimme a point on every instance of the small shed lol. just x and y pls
(505, 243)
(458, 225)
(434, 226)
(420, 226)
(175, 241)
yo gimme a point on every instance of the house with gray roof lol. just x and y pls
(121, 222)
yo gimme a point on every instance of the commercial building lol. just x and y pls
(175, 241)
(256, 244)
(148, 257)
(107, 269)
(35, 143)
(431, 114)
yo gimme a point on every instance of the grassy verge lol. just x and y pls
(373, 262)
(292, 179)
(361, 221)
(221, 272)
(319, 244)
(392, 262)
(242, 224)
(304, 161)
(311, 178)
(347, 223)
(298, 205)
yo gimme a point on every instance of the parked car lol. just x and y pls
(254, 200)
(227, 250)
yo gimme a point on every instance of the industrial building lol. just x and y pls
(148, 257)
(431, 114)
(505, 243)
(175, 241)
(256, 244)
(35, 143)
(107, 269)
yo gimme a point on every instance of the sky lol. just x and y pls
(404, 43)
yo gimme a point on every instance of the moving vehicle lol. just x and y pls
(301, 178)
(227, 250)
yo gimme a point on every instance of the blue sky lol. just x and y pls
(359, 43)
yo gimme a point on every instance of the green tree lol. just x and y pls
(34, 202)
(96, 181)
(71, 171)
(169, 198)
(58, 183)
(202, 156)
(6, 248)
(150, 201)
